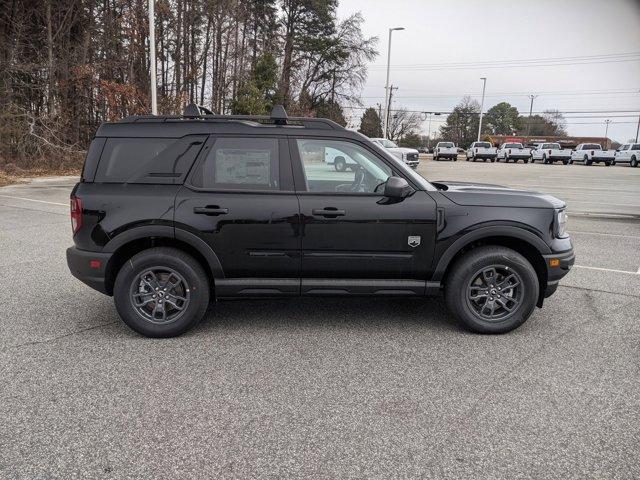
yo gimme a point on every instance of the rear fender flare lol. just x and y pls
(165, 231)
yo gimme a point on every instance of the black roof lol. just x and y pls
(198, 120)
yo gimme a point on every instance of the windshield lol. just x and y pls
(445, 144)
(512, 145)
(483, 145)
(387, 143)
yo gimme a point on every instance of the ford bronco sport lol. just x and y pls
(172, 212)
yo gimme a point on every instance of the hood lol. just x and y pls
(404, 150)
(482, 194)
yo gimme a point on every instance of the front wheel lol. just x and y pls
(491, 289)
(161, 292)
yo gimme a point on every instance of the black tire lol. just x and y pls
(544, 160)
(435, 159)
(462, 273)
(607, 164)
(194, 287)
(586, 160)
(493, 160)
(634, 162)
(340, 164)
(565, 162)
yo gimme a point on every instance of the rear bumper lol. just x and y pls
(602, 159)
(556, 273)
(89, 267)
(518, 156)
(484, 156)
(446, 155)
(559, 158)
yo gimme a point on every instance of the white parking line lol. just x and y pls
(34, 200)
(608, 270)
(604, 234)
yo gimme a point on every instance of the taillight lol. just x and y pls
(476, 150)
(549, 152)
(76, 214)
(509, 151)
(592, 153)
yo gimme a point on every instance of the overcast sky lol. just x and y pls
(597, 33)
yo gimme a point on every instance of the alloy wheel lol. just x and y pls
(160, 295)
(495, 293)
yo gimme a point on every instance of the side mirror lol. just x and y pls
(396, 187)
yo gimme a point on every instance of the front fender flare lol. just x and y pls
(486, 232)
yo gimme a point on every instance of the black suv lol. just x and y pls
(174, 211)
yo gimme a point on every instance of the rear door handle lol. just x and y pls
(212, 210)
(330, 212)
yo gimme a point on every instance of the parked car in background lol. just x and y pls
(592, 153)
(445, 150)
(628, 153)
(423, 150)
(410, 156)
(513, 151)
(481, 151)
(550, 153)
(340, 161)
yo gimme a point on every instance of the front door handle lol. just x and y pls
(329, 212)
(213, 210)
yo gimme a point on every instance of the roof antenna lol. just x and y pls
(279, 115)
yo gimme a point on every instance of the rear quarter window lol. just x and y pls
(148, 160)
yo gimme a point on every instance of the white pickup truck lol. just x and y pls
(628, 153)
(445, 150)
(513, 151)
(481, 151)
(551, 152)
(410, 156)
(592, 153)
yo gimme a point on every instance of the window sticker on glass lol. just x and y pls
(243, 166)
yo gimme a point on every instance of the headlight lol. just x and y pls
(561, 224)
(404, 156)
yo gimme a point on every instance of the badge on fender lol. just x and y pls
(413, 241)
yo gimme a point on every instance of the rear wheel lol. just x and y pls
(340, 164)
(161, 292)
(634, 162)
(607, 164)
(492, 289)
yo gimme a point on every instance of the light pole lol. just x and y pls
(606, 130)
(484, 86)
(386, 86)
(532, 97)
(152, 58)
(429, 127)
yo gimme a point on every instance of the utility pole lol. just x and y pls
(606, 130)
(152, 58)
(638, 130)
(429, 127)
(387, 92)
(484, 86)
(532, 97)
(388, 112)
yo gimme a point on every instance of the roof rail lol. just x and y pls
(278, 116)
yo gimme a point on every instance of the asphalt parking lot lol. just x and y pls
(327, 388)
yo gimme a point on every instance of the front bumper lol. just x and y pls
(89, 267)
(555, 273)
(412, 163)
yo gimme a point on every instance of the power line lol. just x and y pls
(540, 62)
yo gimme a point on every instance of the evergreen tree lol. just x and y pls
(370, 123)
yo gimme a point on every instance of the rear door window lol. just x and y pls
(240, 164)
